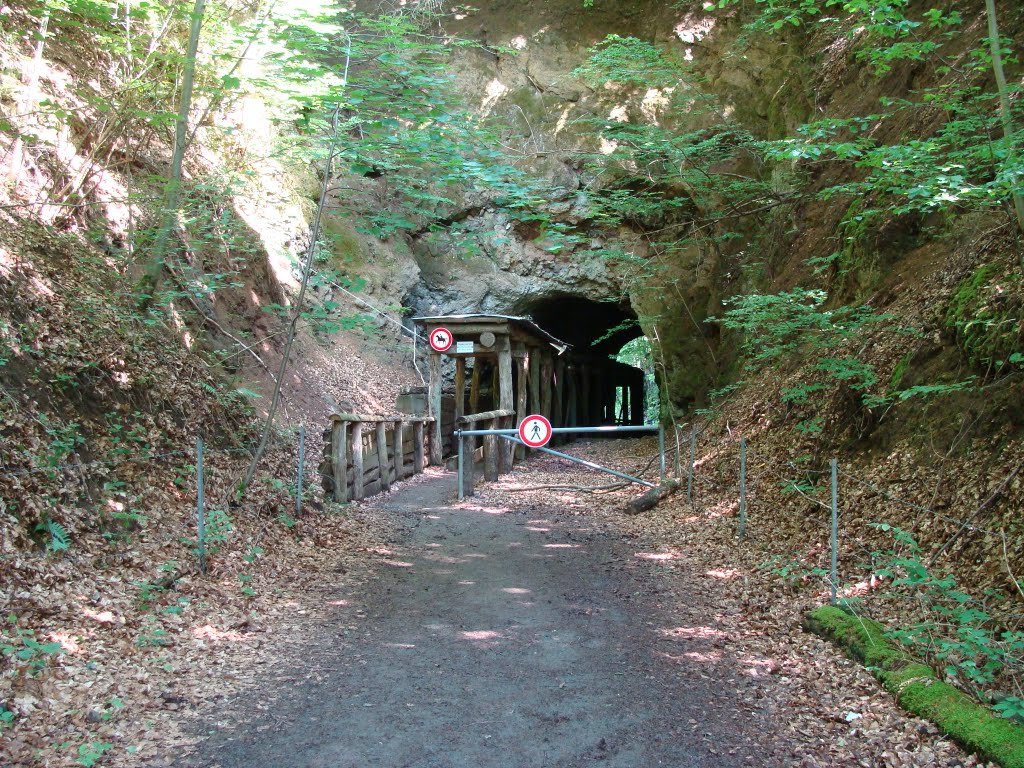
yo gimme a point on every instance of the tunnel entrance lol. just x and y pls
(604, 329)
(592, 327)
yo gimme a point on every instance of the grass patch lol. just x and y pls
(917, 690)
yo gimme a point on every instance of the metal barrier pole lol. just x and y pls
(835, 531)
(693, 461)
(743, 487)
(458, 434)
(661, 450)
(585, 463)
(302, 462)
(200, 505)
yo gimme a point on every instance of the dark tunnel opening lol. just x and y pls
(592, 327)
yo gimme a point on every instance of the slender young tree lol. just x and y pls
(1004, 107)
(172, 193)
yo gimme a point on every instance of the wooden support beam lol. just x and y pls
(535, 366)
(558, 390)
(585, 411)
(418, 447)
(547, 383)
(506, 395)
(491, 452)
(339, 456)
(474, 386)
(382, 455)
(523, 369)
(357, 460)
(505, 452)
(398, 449)
(571, 399)
(636, 403)
(435, 409)
(460, 386)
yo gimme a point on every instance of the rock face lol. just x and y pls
(526, 75)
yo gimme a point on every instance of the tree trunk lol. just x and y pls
(172, 192)
(1004, 108)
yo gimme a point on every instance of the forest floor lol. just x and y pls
(544, 627)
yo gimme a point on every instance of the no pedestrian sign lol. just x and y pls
(535, 431)
(440, 339)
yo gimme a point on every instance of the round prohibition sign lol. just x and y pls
(535, 431)
(441, 339)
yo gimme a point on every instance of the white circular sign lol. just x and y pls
(441, 339)
(535, 431)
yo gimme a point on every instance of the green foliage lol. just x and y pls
(60, 539)
(629, 61)
(91, 753)
(917, 690)
(23, 651)
(962, 641)
(985, 312)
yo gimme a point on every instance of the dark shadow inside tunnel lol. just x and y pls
(592, 327)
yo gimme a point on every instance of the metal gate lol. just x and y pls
(512, 435)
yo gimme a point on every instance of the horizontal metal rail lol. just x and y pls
(584, 462)
(559, 430)
(512, 435)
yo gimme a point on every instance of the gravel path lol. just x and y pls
(493, 638)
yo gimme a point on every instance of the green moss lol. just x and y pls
(900, 371)
(916, 689)
(985, 312)
(967, 294)
(346, 252)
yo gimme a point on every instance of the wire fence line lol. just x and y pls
(752, 473)
(195, 461)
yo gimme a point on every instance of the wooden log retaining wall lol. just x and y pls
(372, 452)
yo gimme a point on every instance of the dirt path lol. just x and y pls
(494, 638)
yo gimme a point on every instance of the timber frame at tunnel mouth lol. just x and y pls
(505, 368)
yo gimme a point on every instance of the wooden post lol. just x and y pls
(474, 386)
(523, 364)
(572, 406)
(417, 447)
(585, 412)
(636, 403)
(491, 453)
(382, 457)
(339, 455)
(460, 387)
(435, 409)
(507, 396)
(398, 446)
(535, 364)
(558, 386)
(357, 460)
(505, 452)
(547, 376)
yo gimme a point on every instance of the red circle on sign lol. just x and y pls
(441, 339)
(535, 431)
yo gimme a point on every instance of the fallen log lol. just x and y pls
(652, 498)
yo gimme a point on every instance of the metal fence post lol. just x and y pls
(835, 531)
(462, 459)
(200, 506)
(679, 451)
(693, 461)
(743, 487)
(661, 450)
(302, 461)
